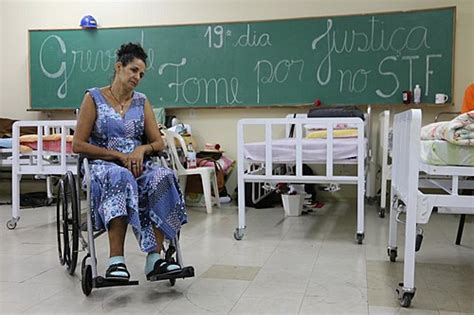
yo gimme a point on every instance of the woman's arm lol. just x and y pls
(85, 124)
(153, 135)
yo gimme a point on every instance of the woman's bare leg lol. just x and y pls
(117, 231)
(154, 256)
(159, 239)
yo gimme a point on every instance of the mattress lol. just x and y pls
(440, 152)
(314, 150)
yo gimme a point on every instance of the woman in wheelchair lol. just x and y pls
(126, 188)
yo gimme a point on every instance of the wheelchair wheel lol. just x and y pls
(67, 222)
(86, 281)
(86, 276)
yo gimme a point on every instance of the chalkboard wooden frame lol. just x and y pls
(285, 93)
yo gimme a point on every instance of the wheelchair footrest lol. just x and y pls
(186, 272)
(101, 282)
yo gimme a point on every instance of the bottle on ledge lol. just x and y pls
(417, 94)
(191, 156)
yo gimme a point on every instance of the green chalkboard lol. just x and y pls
(357, 59)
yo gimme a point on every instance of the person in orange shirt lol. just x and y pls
(468, 102)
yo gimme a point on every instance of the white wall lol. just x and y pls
(21, 15)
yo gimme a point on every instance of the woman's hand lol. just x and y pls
(122, 158)
(135, 161)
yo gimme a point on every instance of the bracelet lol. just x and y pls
(152, 148)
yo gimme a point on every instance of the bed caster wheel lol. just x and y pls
(405, 295)
(11, 224)
(392, 253)
(359, 238)
(381, 213)
(86, 281)
(405, 301)
(239, 234)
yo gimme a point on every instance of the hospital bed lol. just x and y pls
(51, 154)
(410, 174)
(270, 152)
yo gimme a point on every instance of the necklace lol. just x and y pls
(122, 105)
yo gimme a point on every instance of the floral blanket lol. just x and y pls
(458, 131)
(224, 162)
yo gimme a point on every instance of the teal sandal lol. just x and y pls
(162, 267)
(117, 272)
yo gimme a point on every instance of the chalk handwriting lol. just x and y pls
(81, 60)
(62, 71)
(218, 30)
(410, 68)
(358, 78)
(252, 39)
(388, 73)
(429, 72)
(193, 89)
(267, 73)
(397, 41)
(386, 59)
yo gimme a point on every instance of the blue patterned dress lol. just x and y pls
(154, 198)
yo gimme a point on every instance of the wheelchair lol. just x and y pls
(70, 235)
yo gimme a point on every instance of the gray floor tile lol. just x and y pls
(308, 265)
(230, 272)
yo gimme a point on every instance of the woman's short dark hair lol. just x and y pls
(130, 51)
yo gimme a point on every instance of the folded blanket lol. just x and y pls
(25, 149)
(7, 143)
(337, 133)
(53, 137)
(52, 146)
(224, 162)
(322, 126)
(458, 131)
(50, 142)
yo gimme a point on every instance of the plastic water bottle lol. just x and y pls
(417, 94)
(191, 156)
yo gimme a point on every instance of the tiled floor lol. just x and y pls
(308, 265)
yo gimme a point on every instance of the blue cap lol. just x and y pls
(88, 21)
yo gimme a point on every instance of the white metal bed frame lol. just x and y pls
(39, 161)
(383, 159)
(298, 177)
(406, 197)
